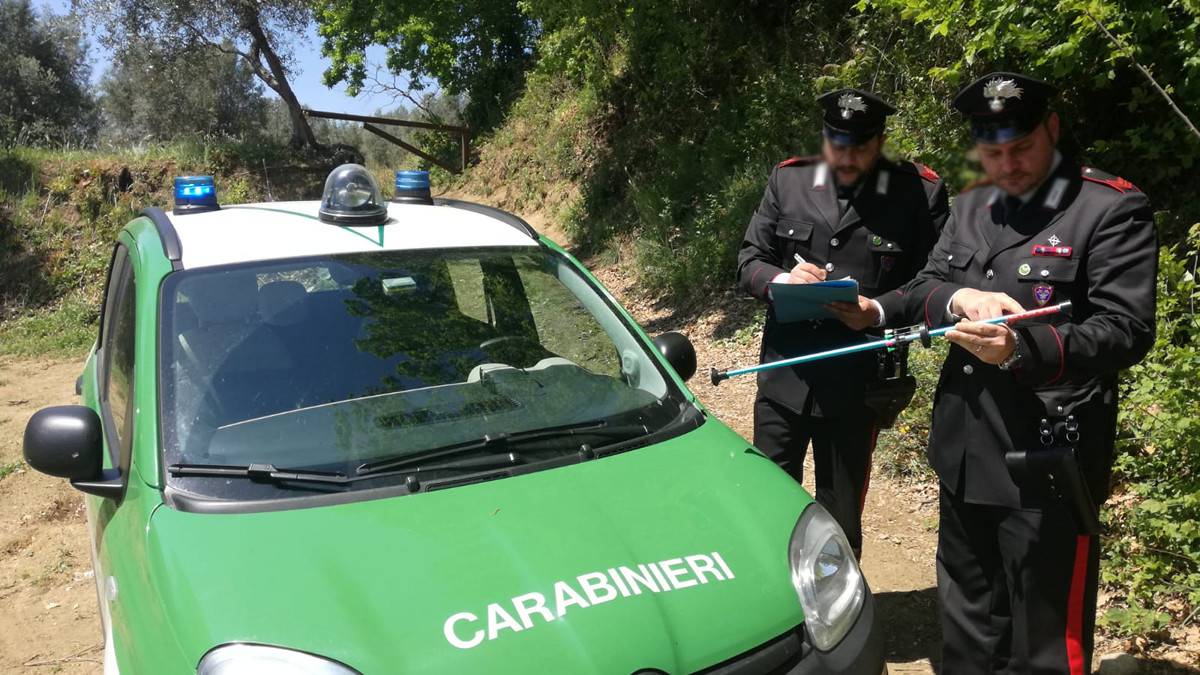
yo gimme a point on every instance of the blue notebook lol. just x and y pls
(800, 302)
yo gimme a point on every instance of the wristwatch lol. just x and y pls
(1014, 360)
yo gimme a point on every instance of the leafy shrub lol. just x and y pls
(1154, 517)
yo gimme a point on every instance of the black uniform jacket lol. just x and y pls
(1085, 236)
(882, 239)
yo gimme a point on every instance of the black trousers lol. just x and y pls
(1017, 590)
(842, 451)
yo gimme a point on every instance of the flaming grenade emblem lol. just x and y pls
(998, 90)
(850, 104)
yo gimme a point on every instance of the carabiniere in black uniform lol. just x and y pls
(878, 232)
(1016, 575)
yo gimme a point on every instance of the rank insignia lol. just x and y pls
(1024, 269)
(999, 89)
(1052, 251)
(1042, 294)
(1054, 240)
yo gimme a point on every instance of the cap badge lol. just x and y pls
(850, 104)
(999, 89)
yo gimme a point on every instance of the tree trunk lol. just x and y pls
(302, 135)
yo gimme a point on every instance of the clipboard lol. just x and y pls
(803, 302)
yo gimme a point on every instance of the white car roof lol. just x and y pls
(279, 230)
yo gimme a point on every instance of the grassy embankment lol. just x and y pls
(60, 213)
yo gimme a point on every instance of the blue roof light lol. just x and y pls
(195, 194)
(412, 187)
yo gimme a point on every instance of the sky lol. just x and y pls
(305, 80)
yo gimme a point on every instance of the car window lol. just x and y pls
(564, 325)
(469, 295)
(393, 353)
(120, 309)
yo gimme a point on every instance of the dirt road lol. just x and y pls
(48, 620)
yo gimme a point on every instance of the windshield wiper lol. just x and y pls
(268, 472)
(689, 416)
(593, 428)
(257, 472)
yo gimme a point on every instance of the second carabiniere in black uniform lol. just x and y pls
(847, 213)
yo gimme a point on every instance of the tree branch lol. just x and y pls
(1129, 52)
(380, 87)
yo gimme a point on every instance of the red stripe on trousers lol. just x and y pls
(1075, 606)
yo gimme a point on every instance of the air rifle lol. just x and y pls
(896, 338)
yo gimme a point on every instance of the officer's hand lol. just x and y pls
(988, 342)
(806, 273)
(977, 305)
(856, 315)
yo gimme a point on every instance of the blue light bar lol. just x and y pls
(412, 180)
(195, 194)
(412, 187)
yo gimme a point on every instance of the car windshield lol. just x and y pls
(337, 363)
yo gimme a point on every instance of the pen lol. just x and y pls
(799, 260)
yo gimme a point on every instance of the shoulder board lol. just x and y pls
(1115, 182)
(921, 170)
(977, 183)
(798, 161)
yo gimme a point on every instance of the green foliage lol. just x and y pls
(157, 95)
(1155, 517)
(44, 95)
(1136, 620)
(1115, 118)
(258, 33)
(479, 48)
(10, 468)
(901, 450)
(65, 329)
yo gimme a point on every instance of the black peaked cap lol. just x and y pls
(1004, 106)
(853, 116)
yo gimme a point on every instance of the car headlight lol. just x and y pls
(238, 659)
(826, 577)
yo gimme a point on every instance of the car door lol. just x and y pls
(113, 400)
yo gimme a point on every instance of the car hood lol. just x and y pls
(517, 574)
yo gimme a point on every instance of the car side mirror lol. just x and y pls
(67, 441)
(679, 352)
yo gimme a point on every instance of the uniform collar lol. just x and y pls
(1028, 194)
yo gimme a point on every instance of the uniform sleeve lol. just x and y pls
(931, 227)
(759, 259)
(1115, 328)
(939, 206)
(924, 299)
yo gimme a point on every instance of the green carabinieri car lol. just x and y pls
(353, 436)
